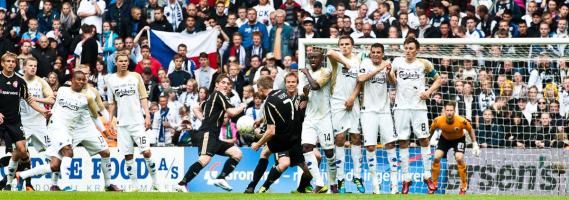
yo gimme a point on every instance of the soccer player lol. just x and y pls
(208, 141)
(452, 137)
(345, 108)
(376, 114)
(127, 94)
(72, 109)
(316, 126)
(409, 74)
(12, 90)
(282, 130)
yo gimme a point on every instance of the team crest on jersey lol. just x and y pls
(456, 128)
(15, 84)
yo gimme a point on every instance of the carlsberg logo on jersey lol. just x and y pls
(125, 92)
(378, 79)
(71, 105)
(409, 75)
(348, 73)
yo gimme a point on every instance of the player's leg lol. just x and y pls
(356, 149)
(304, 184)
(142, 141)
(370, 129)
(94, 144)
(309, 138)
(65, 168)
(283, 161)
(19, 153)
(420, 129)
(459, 148)
(206, 150)
(388, 139)
(439, 154)
(339, 128)
(259, 170)
(235, 155)
(403, 128)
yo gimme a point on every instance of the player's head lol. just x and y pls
(291, 82)
(265, 85)
(411, 47)
(121, 60)
(315, 59)
(78, 81)
(449, 110)
(9, 62)
(376, 53)
(222, 83)
(346, 44)
(30, 66)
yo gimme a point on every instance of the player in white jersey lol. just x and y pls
(376, 114)
(410, 111)
(317, 127)
(33, 122)
(127, 93)
(345, 107)
(71, 105)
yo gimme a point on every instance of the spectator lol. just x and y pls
(236, 75)
(119, 46)
(91, 13)
(46, 17)
(486, 97)
(518, 132)
(165, 123)
(147, 61)
(564, 98)
(281, 33)
(438, 15)
(188, 65)
(531, 106)
(150, 81)
(248, 94)
(256, 49)
(88, 48)
(25, 53)
(45, 56)
(21, 17)
(190, 26)
(489, 133)
(308, 25)
(190, 96)
(255, 111)
(543, 73)
(174, 13)
(178, 77)
(32, 35)
(192, 10)
(247, 30)
(291, 8)
(52, 81)
(116, 14)
(424, 30)
(467, 104)
(149, 10)
(205, 73)
(159, 89)
(134, 23)
(160, 23)
(69, 20)
(544, 133)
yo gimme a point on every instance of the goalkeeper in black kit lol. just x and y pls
(283, 133)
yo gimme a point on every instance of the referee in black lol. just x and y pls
(280, 135)
(12, 89)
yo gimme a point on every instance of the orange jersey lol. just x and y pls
(451, 131)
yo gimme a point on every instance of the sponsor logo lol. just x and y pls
(125, 92)
(413, 75)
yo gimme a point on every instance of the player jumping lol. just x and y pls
(409, 74)
(452, 137)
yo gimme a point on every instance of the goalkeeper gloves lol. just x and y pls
(475, 149)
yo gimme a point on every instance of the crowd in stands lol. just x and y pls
(513, 104)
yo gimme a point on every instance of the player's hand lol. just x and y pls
(255, 146)
(387, 67)
(304, 70)
(46, 114)
(425, 95)
(475, 149)
(306, 90)
(1, 118)
(303, 104)
(147, 122)
(349, 103)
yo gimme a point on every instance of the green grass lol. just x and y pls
(222, 196)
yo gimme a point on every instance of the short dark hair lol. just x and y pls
(265, 82)
(203, 55)
(343, 37)
(451, 103)
(86, 28)
(412, 40)
(378, 45)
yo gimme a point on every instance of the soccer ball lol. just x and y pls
(245, 125)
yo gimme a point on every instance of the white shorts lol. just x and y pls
(91, 139)
(37, 135)
(374, 123)
(346, 121)
(60, 137)
(417, 119)
(130, 135)
(314, 131)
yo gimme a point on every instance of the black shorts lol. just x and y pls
(209, 144)
(294, 153)
(457, 145)
(12, 132)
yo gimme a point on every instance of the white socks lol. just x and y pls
(12, 166)
(312, 164)
(372, 166)
(392, 159)
(151, 166)
(54, 178)
(65, 171)
(132, 172)
(38, 170)
(404, 153)
(357, 159)
(106, 169)
(341, 160)
(332, 171)
(426, 156)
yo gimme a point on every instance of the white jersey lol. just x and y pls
(376, 97)
(411, 81)
(86, 121)
(38, 88)
(318, 100)
(68, 108)
(343, 82)
(127, 91)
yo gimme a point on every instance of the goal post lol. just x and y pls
(517, 102)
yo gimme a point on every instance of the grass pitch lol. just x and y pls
(220, 196)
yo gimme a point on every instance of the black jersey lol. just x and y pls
(12, 89)
(280, 111)
(213, 111)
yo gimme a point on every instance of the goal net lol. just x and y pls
(515, 92)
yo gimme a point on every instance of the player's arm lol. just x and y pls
(47, 93)
(24, 93)
(270, 132)
(143, 100)
(391, 78)
(316, 84)
(92, 105)
(470, 130)
(198, 111)
(226, 105)
(431, 73)
(434, 127)
(100, 105)
(367, 76)
(336, 58)
(350, 101)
